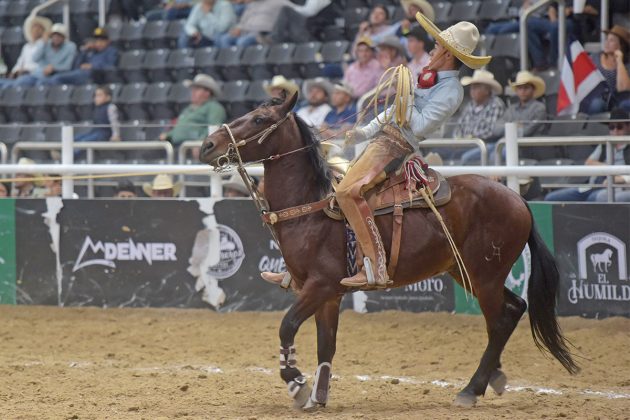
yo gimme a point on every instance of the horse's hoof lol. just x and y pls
(312, 406)
(303, 397)
(465, 400)
(498, 381)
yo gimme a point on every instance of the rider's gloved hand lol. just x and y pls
(355, 136)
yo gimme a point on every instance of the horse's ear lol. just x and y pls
(288, 104)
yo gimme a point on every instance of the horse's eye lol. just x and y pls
(258, 120)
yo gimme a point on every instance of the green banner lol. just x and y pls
(7, 251)
(516, 281)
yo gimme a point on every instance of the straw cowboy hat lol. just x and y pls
(483, 77)
(319, 82)
(59, 28)
(35, 20)
(343, 87)
(206, 82)
(424, 6)
(460, 39)
(524, 77)
(235, 182)
(281, 82)
(621, 32)
(393, 41)
(162, 182)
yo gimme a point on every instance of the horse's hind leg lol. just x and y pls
(502, 314)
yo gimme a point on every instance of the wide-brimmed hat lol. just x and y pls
(425, 7)
(620, 31)
(59, 28)
(206, 82)
(162, 182)
(235, 182)
(393, 41)
(319, 82)
(35, 20)
(344, 87)
(524, 77)
(460, 39)
(281, 82)
(483, 77)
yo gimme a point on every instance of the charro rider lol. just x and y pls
(438, 95)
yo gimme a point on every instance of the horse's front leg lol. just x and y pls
(309, 301)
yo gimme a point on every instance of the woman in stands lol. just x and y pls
(613, 63)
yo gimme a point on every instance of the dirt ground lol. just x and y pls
(88, 363)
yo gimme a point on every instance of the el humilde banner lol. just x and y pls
(208, 253)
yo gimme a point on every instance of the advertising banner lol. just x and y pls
(591, 244)
(7, 251)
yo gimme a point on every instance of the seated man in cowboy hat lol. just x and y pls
(344, 113)
(36, 30)
(391, 52)
(281, 87)
(204, 110)
(439, 95)
(318, 92)
(480, 115)
(162, 187)
(528, 109)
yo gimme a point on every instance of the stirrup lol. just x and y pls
(369, 273)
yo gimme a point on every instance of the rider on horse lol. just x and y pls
(437, 97)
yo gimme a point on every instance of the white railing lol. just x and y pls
(49, 3)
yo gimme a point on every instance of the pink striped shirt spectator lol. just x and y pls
(364, 74)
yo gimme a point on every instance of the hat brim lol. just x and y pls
(538, 83)
(32, 20)
(398, 47)
(494, 85)
(288, 86)
(424, 5)
(624, 37)
(212, 87)
(471, 61)
(325, 86)
(148, 189)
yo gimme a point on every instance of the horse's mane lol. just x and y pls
(323, 176)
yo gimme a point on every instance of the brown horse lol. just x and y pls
(489, 223)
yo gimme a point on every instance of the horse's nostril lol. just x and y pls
(207, 148)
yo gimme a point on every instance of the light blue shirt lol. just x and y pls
(430, 109)
(60, 59)
(217, 21)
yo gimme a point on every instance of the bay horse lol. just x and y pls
(489, 223)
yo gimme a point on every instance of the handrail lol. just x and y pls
(4, 153)
(456, 143)
(46, 5)
(561, 29)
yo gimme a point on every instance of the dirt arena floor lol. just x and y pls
(87, 363)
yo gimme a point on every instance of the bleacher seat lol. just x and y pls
(130, 67)
(35, 105)
(256, 94)
(229, 64)
(131, 101)
(552, 80)
(279, 60)
(254, 59)
(10, 134)
(59, 100)
(492, 10)
(154, 34)
(83, 100)
(114, 28)
(464, 10)
(235, 99)
(53, 133)
(181, 64)
(32, 133)
(352, 19)
(178, 97)
(335, 51)
(17, 11)
(4, 20)
(175, 27)
(155, 67)
(205, 61)
(12, 41)
(131, 35)
(11, 103)
(442, 10)
(83, 19)
(156, 101)
(506, 45)
(307, 59)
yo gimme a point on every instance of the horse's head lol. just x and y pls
(253, 135)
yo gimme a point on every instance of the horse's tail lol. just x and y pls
(541, 294)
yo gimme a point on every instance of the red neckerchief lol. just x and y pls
(427, 78)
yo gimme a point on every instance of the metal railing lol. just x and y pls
(562, 33)
(49, 3)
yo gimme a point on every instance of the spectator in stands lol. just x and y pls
(318, 94)
(411, 7)
(125, 189)
(391, 52)
(376, 28)
(208, 19)
(25, 188)
(528, 88)
(481, 113)
(363, 75)
(96, 55)
(235, 187)
(5, 190)
(281, 87)
(204, 110)
(256, 23)
(105, 117)
(344, 113)
(52, 186)
(614, 64)
(162, 187)
(56, 55)
(36, 30)
(301, 23)
(170, 10)
(598, 157)
(416, 47)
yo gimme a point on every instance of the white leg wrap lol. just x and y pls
(293, 387)
(286, 280)
(369, 271)
(287, 357)
(322, 384)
